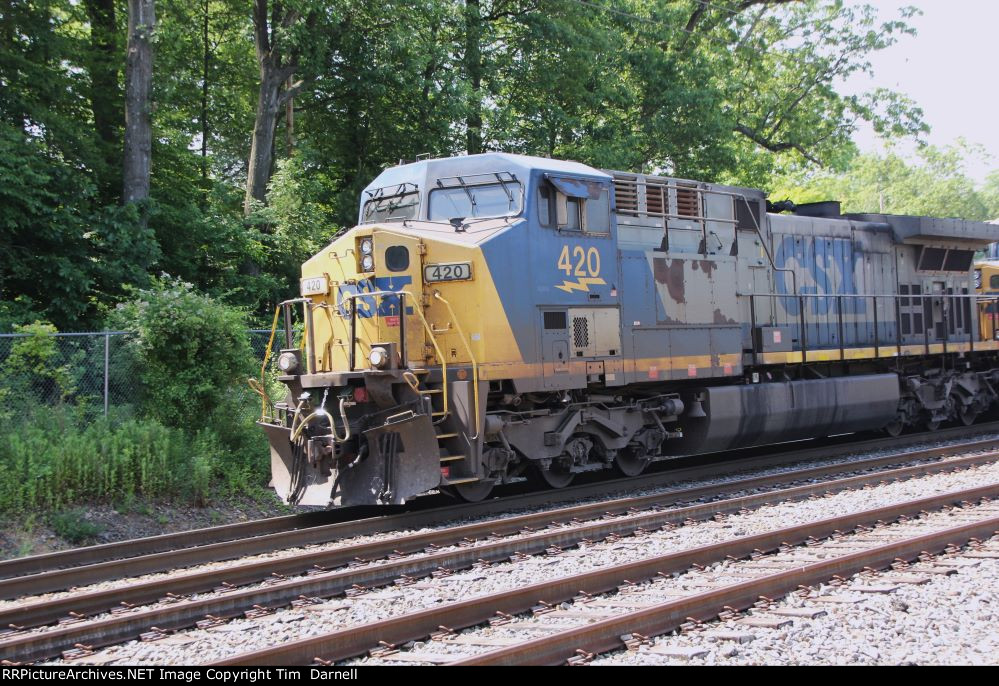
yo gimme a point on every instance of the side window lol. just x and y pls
(598, 213)
(574, 205)
(545, 195)
(571, 221)
(994, 281)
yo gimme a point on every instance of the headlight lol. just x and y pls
(366, 246)
(367, 263)
(378, 357)
(287, 362)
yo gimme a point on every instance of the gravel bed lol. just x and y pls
(241, 635)
(341, 543)
(948, 620)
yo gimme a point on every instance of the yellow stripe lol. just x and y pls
(706, 366)
(868, 353)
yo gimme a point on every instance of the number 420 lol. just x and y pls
(587, 262)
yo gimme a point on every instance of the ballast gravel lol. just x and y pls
(220, 566)
(242, 635)
(950, 620)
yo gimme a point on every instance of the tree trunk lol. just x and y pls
(138, 88)
(473, 70)
(289, 122)
(262, 146)
(207, 54)
(105, 94)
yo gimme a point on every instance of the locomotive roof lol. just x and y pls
(422, 172)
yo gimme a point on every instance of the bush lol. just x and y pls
(71, 526)
(55, 458)
(191, 352)
(32, 371)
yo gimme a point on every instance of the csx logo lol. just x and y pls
(821, 265)
(370, 305)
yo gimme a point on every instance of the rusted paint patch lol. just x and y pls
(722, 319)
(708, 266)
(670, 274)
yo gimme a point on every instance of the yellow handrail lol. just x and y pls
(261, 387)
(433, 339)
(475, 366)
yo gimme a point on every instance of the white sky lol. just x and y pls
(951, 70)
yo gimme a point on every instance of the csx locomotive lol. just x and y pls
(494, 314)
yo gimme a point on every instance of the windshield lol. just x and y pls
(404, 203)
(483, 200)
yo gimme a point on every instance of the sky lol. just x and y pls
(950, 69)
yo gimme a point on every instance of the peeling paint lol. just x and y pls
(722, 319)
(670, 274)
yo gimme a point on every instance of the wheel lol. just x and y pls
(967, 416)
(556, 476)
(964, 413)
(631, 461)
(894, 429)
(473, 491)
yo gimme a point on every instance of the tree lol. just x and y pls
(277, 36)
(934, 184)
(138, 89)
(103, 65)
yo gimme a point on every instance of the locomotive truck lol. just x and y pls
(494, 314)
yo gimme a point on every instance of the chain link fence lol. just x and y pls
(92, 370)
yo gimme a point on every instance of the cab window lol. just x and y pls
(570, 204)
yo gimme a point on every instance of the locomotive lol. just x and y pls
(496, 314)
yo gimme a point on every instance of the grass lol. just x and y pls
(54, 458)
(71, 526)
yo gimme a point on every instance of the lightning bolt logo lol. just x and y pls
(583, 284)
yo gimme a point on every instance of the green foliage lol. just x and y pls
(730, 91)
(52, 459)
(33, 372)
(190, 350)
(72, 526)
(934, 184)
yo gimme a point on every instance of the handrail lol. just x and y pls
(426, 326)
(260, 388)
(970, 318)
(471, 356)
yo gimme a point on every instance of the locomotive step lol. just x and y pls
(452, 435)
(452, 458)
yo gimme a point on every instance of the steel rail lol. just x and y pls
(605, 635)
(83, 566)
(358, 640)
(332, 583)
(77, 557)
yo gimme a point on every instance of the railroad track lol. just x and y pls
(623, 606)
(419, 554)
(81, 566)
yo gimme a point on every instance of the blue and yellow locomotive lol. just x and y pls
(496, 313)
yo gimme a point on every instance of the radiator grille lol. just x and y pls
(581, 332)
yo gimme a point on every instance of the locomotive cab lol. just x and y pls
(387, 389)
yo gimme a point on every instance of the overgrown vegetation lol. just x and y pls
(72, 526)
(190, 352)
(52, 460)
(190, 435)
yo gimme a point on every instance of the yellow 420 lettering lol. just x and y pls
(587, 262)
(582, 264)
